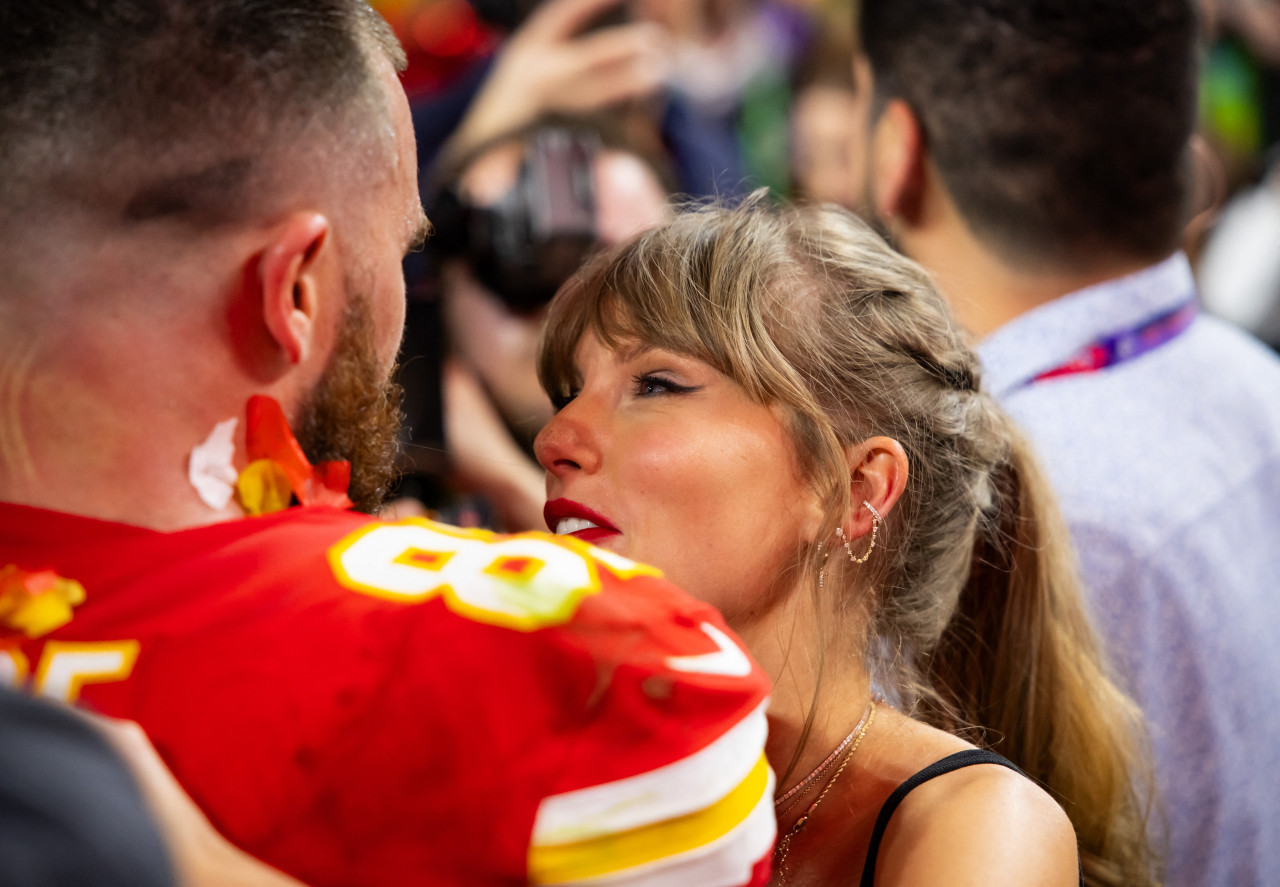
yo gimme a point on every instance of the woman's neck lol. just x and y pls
(819, 692)
(805, 732)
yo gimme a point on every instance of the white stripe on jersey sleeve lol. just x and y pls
(727, 862)
(682, 787)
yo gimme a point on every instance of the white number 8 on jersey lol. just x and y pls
(520, 582)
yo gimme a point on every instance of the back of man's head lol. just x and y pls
(127, 112)
(1059, 127)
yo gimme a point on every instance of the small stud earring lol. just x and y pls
(875, 527)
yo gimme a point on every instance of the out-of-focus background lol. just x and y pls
(549, 128)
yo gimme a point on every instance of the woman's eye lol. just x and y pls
(653, 385)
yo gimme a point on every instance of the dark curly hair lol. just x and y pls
(1060, 127)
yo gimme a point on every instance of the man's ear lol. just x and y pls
(286, 273)
(898, 152)
(878, 470)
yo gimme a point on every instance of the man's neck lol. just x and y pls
(110, 445)
(987, 291)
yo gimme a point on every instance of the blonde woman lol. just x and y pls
(779, 411)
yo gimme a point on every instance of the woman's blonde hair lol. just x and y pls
(972, 611)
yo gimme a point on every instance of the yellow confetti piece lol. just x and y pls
(36, 602)
(263, 488)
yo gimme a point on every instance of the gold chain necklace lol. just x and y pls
(784, 845)
(787, 800)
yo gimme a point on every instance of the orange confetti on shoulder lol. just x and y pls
(268, 438)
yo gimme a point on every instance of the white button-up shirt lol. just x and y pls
(1167, 467)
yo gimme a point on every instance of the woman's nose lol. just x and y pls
(569, 442)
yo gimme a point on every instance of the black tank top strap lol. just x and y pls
(957, 761)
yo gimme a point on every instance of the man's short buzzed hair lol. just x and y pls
(1060, 127)
(148, 109)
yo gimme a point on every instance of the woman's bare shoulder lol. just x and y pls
(980, 825)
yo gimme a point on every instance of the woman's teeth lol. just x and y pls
(573, 525)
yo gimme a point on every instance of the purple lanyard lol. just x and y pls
(1126, 344)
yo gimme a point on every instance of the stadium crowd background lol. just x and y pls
(730, 96)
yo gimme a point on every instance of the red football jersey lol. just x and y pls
(363, 702)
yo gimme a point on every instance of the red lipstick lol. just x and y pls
(558, 510)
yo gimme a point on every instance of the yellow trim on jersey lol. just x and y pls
(608, 854)
(80, 663)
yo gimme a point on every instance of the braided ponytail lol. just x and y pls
(1020, 659)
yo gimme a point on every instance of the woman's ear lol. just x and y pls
(286, 274)
(878, 471)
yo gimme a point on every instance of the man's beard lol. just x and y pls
(354, 412)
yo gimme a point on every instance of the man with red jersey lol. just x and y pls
(202, 217)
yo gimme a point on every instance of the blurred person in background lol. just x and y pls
(824, 149)
(730, 89)
(1238, 260)
(520, 216)
(1033, 155)
(560, 58)
(710, 80)
(1239, 263)
(1240, 85)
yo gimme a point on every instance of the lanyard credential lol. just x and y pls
(1126, 344)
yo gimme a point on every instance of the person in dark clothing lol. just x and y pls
(70, 811)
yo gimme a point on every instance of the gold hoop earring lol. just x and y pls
(875, 527)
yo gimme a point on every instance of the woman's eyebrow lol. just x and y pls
(634, 349)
